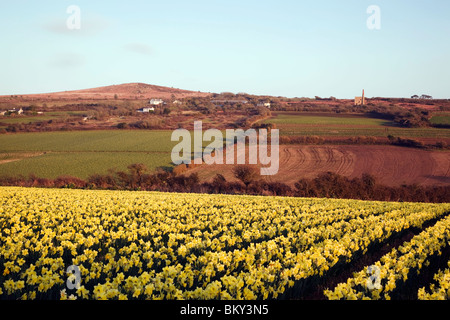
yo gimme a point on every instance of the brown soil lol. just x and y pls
(391, 165)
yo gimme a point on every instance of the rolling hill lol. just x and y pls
(123, 91)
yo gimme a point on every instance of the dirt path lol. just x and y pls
(17, 156)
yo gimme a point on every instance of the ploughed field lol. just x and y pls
(148, 245)
(390, 165)
(83, 153)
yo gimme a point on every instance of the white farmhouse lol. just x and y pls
(156, 102)
(146, 109)
(20, 111)
(264, 104)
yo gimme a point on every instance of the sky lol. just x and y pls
(280, 48)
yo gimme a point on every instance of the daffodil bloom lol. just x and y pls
(179, 246)
(396, 265)
(83, 292)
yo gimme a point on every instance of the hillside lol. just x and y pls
(123, 91)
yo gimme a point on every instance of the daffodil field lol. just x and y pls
(395, 267)
(150, 245)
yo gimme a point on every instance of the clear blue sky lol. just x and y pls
(281, 48)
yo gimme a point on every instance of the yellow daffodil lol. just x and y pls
(180, 246)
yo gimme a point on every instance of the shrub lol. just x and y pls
(179, 169)
(327, 184)
(69, 182)
(439, 144)
(411, 143)
(246, 173)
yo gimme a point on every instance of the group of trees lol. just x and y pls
(227, 103)
(332, 185)
(62, 123)
(424, 96)
(406, 118)
(365, 140)
(150, 123)
(328, 184)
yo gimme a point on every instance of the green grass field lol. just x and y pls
(81, 153)
(441, 119)
(315, 119)
(82, 164)
(93, 141)
(347, 125)
(25, 119)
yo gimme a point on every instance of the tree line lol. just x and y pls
(326, 185)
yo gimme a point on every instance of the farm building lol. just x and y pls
(146, 109)
(156, 102)
(264, 104)
(360, 101)
(20, 111)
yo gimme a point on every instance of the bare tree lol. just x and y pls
(246, 173)
(137, 171)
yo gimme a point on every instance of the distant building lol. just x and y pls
(360, 101)
(146, 109)
(415, 96)
(221, 103)
(20, 111)
(264, 104)
(156, 102)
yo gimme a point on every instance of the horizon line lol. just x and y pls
(208, 92)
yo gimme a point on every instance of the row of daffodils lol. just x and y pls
(394, 268)
(82, 244)
(441, 291)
